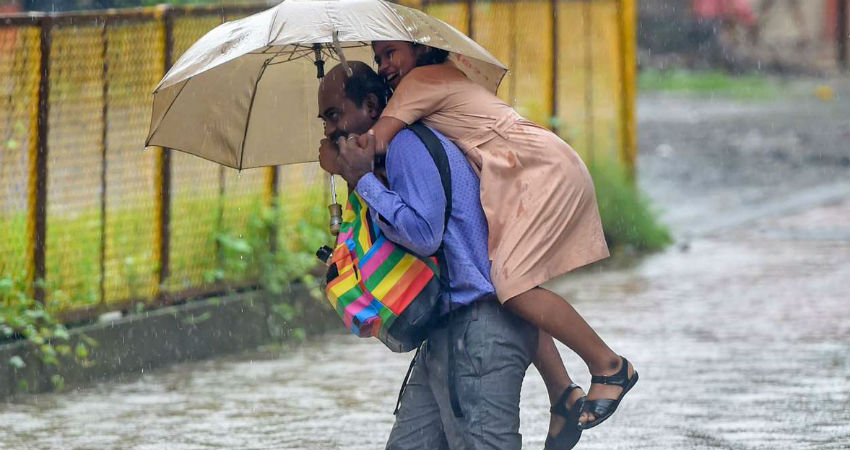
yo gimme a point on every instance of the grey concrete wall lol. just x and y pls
(141, 342)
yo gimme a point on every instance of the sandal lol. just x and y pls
(603, 408)
(570, 433)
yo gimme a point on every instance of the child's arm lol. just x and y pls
(385, 130)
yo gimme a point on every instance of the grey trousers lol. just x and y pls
(493, 349)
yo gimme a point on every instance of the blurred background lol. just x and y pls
(740, 35)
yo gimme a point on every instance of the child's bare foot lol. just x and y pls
(606, 391)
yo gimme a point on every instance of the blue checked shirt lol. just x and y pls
(411, 213)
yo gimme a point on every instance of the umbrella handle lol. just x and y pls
(335, 210)
(333, 187)
(336, 218)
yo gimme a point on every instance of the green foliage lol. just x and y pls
(58, 382)
(243, 253)
(289, 314)
(706, 83)
(17, 362)
(73, 269)
(23, 317)
(248, 254)
(200, 318)
(275, 251)
(627, 218)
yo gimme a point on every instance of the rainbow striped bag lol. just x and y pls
(379, 288)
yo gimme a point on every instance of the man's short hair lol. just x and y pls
(365, 81)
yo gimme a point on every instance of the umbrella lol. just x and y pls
(243, 95)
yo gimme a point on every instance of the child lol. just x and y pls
(542, 215)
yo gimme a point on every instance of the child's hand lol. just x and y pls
(363, 140)
(356, 161)
(329, 157)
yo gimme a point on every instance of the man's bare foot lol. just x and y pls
(607, 391)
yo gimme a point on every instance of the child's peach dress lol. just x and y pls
(537, 194)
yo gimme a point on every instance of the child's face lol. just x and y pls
(395, 59)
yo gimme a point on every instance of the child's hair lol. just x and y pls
(431, 56)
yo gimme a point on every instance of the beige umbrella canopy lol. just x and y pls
(244, 95)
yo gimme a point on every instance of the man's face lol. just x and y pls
(340, 115)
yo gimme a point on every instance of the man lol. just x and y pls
(491, 348)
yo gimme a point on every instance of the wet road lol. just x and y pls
(707, 158)
(741, 333)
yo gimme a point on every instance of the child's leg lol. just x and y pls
(551, 367)
(556, 316)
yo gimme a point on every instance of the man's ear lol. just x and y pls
(372, 106)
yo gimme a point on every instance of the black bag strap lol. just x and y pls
(441, 159)
(438, 153)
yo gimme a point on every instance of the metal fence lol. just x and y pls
(103, 223)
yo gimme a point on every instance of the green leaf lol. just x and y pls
(34, 313)
(235, 244)
(81, 351)
(17, 362)
(6, 285)
(89, 341)
(299, 334)
(58, 382)
(37, 339)
(61, 332)
(193, 320)
(50, 359)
